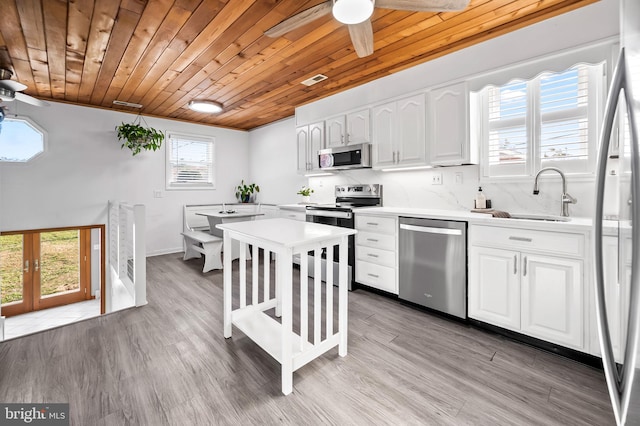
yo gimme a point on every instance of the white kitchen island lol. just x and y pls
(286, 238)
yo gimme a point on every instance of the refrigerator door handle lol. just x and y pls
(610, 369)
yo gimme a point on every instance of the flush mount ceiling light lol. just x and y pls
(352, 11)
(210, 107)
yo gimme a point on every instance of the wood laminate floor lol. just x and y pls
(168, 363)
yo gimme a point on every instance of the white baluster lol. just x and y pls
(242, 266)
(267, 273)
(304, 299)
(254, 274)
(317, 296)
(343, 294)
(329, 288)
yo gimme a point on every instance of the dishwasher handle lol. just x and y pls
(430, 229)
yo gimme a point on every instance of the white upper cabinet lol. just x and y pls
(352, 128)
(302, 138)
(399, 133)
(309, 140)
(335, 131)
(358, 127)
(449, 125)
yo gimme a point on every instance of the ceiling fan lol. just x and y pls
(357, 13)
(10, 90)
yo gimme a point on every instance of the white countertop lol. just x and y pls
(298, 207)
(576, 223)
(286, 232)
(229, 215)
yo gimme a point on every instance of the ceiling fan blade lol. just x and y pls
(300, 19)
(362, 38)
(12, 85)
(423, 5)
(30, 100)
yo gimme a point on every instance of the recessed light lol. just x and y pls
(210, 107)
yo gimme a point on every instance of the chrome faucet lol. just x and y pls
(566, 199)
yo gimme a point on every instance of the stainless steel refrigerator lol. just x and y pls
(621, 320)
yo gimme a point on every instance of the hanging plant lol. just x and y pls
(137, 137)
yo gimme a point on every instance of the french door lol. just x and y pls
(43, 269)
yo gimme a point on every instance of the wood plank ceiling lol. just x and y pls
(164, 53)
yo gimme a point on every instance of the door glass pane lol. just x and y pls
(11, 287)
(59, 262)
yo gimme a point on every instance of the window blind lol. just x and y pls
(190, 162)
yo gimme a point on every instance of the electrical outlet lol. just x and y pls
(436, 179)
(458, 178)
(157, 193)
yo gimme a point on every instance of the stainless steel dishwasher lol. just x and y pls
(433, 264)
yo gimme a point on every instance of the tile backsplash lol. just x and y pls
(459, 187)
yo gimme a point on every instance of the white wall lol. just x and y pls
(84, 167)
(273, 162)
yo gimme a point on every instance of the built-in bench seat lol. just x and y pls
(201, 242)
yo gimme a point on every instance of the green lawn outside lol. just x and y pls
(59, 264)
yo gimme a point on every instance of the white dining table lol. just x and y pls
(228, 216)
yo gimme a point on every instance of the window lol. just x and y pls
(551, 120)
(21, 140)
(190, 162)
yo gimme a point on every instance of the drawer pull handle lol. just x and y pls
(526, 240)
(372, 223)
(372, 255)
(374, 275)
(373, 240)
(515, 264)
(524, 267)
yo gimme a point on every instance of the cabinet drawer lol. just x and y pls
(383, 225)
(292, 214)
(528, 239)
(375, 240)
(380, 277)
(381, 257)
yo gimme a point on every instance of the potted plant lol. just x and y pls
(306, 194)
(244, 192)
(137, 137)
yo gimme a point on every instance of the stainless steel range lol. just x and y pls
(340, 213)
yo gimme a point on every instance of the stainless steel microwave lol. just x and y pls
(345, 157)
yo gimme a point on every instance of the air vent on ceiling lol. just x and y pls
(315, 79)
(127, 104)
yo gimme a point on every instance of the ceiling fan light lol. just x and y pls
(352, 11)
(209, 107)
(7, 95)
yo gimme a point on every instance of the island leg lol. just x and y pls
(342, 296)
(227, 284)
(284, 273)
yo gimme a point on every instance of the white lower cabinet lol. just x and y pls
(523, 288)
(552, 300)
(376, 252)
(300, 215)
(494, 287)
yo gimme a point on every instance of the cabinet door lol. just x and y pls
(552, 299)
(494, 287)
(449, 136)
(316, 143)
(410, 131)
(358, 127)
(302, 137)
(384, 152)
(335, 131)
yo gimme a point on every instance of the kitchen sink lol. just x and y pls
(544, 217)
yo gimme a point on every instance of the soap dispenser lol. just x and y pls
(481, 200)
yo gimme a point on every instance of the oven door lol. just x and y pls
(343, 220)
